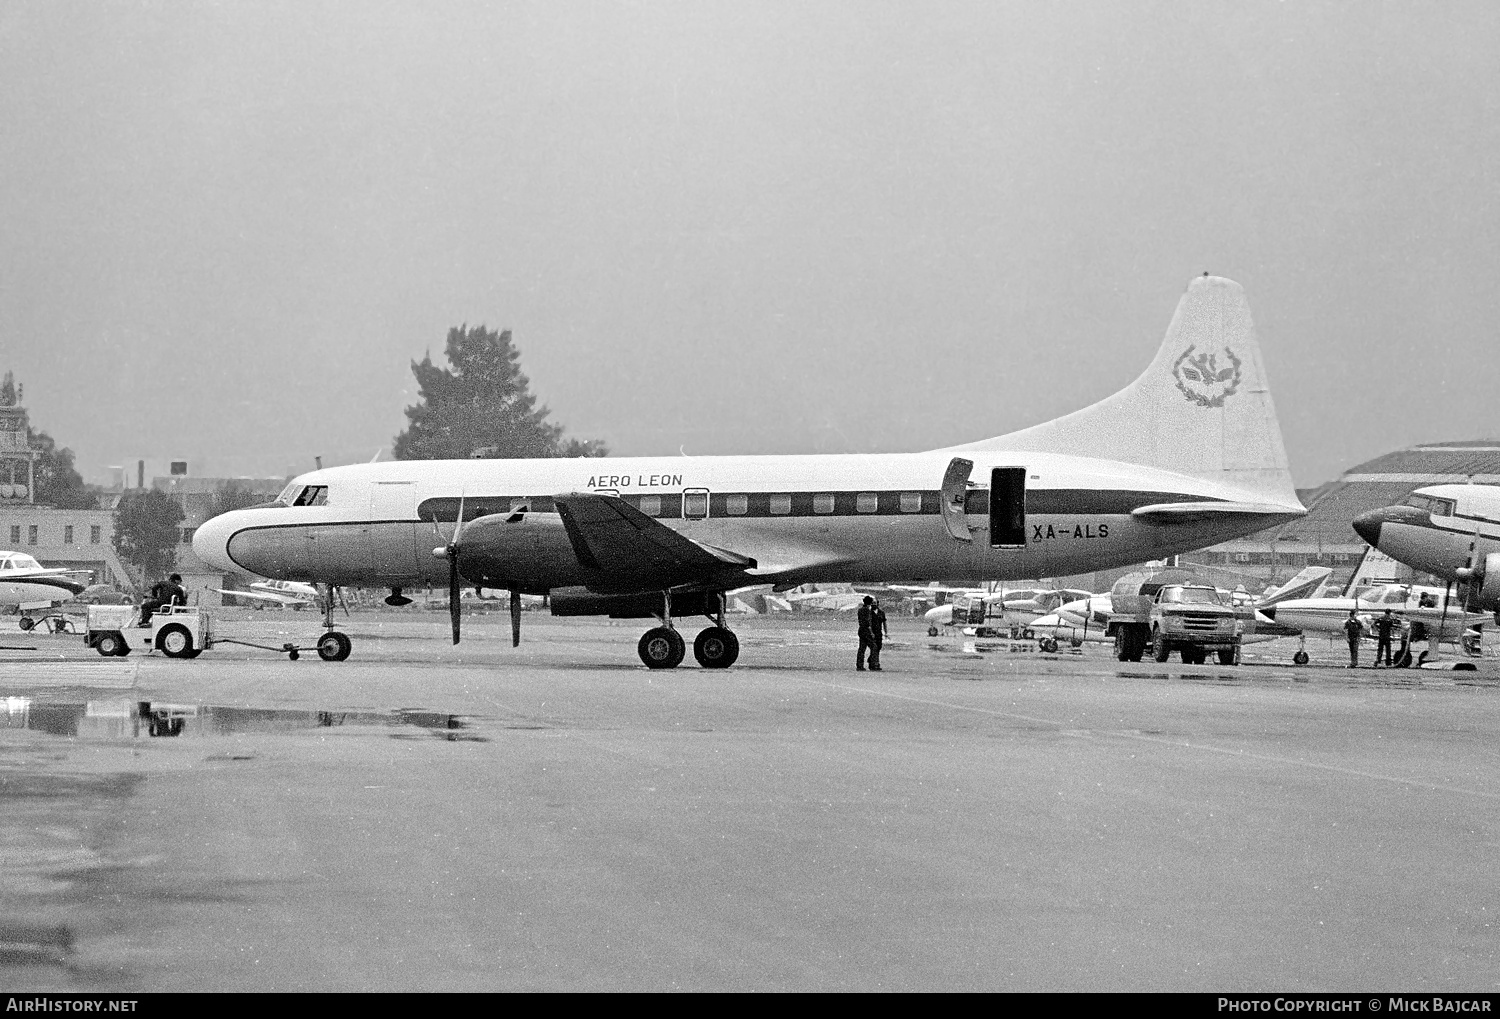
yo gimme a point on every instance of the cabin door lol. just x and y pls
(1008, 507)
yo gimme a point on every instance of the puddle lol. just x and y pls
(128, 719)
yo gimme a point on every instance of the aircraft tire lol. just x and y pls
(26, 623)
(716, 647)
(1049, 646)
(175, 641)
(932, 631)
(1160, 649)
(1301, 658)
(662, 647)
(334, 646)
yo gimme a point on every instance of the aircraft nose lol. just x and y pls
(1269, 612)
(1367, 526)
(211, 541)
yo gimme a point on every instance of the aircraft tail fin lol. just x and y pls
(1202, 408)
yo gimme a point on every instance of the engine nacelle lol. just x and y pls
(631, 606)
(1484, 583)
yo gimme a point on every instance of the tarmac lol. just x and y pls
(558, 817)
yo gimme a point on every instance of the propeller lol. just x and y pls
(515, 619)
(449, 550)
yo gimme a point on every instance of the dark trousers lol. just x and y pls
(1354, 652)
(870, 644)
(1383, 644)
(149, 606)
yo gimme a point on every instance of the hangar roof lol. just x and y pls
(1385, 480)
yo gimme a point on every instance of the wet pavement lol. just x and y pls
(427, 817)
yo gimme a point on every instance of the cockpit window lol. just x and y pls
(285, 498)
(312, 495)
(1437, 507)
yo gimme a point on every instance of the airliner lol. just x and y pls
(1188, 455)
(1450, 531)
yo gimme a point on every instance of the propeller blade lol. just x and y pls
(453, 604)
(458, 526)
(515, 619)
(1443, 619)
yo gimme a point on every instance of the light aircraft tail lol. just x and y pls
(1203, 407)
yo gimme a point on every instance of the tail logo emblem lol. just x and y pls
(1202, 381)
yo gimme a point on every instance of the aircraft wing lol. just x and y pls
(275, 599)
(1163, 514)
(632, 551)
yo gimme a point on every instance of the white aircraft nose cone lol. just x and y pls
(211, 541)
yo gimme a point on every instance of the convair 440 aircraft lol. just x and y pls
(1188, 455)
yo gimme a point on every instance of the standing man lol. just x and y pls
(1352, 630)
(1384, 627)
(878, 632)
(867, 636)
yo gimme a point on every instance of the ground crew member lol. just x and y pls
(879, 631)
(1384, 625)
(867, 637)
(1352, 628)
(163, 592)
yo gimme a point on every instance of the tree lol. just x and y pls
(481, 406)
(146, 530)
(230, 495)
(57, 482)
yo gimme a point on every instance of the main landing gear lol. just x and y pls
(662, 647)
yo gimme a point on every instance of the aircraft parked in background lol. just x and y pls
(1436, 615)
(286, 594)
(1000, 608)
(31, 587)
(1188, 455)
(1449, 531)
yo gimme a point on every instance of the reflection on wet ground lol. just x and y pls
(127, 719)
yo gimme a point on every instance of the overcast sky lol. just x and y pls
(227, 228)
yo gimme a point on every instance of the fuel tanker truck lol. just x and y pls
(1162, 611)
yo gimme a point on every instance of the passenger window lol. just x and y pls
(911, 502)
(781, 504)
(822, 503)
(866, 502)
(736, 505)
(695, 504)
(651, 505)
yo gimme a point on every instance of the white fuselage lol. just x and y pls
(857, 518)
(26, 583)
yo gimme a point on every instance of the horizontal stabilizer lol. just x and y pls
(1163, 514)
